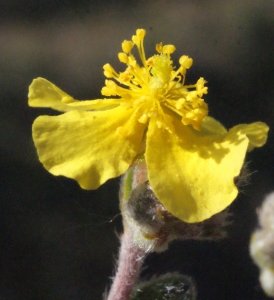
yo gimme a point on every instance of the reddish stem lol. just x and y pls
(130, 262)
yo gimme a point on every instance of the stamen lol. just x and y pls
(159, 47)
(169, 49)
(138, 40)
(123, 58)
(109, 72)
(185, 61)
(127, 46)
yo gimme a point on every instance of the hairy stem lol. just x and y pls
(130, 262)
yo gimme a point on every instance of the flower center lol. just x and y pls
(156, 84)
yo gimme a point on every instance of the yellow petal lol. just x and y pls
(211, 126)
(90, 147)
(192, 175)
(43, 93)
(256, 133)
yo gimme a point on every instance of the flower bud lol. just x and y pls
(267, 281)
(262, 245)
(153, 227)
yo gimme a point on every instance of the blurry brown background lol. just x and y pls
(58, 241)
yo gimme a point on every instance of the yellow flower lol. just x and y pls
(192, 159)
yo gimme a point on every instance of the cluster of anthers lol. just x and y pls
(156, 84)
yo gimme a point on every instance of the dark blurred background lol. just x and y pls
(58, 241)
